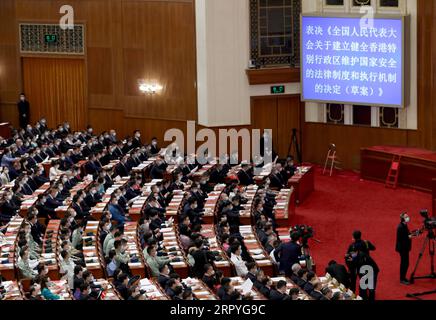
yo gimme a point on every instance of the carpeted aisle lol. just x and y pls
(344, 203)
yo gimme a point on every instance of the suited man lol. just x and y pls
(154, 149)
(403, 246)
(93, 197)
(279, 293)
(352, 256)
(43, 209)
(77, 207)
(288, 254)
(202, 256)
(122, 168)
(158, 169)
(88, 149)
(339, 272)
(154, 205)
(316, 293)
(136, 141)
(218, 174)
(52, 200)
(276, 180)
(91, 167)
(36, 229)
(244, 176)
(8, 208)
(23, 111)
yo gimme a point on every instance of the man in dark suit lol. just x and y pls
(136, 141)
(36, 229)
(279, 294)
(403, 246)
(23, 111)
(352, 255)
(245, 177)
(121, 168)
(252, 271)
(154, 149)
(52, 199)
(276, 180)
(202, 256)
(288, 254)
(44, 210)
(218, 174)
(339, 272)
(316, 293)
(158, 169)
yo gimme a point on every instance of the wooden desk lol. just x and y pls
(289, 285)
(303, 183)
(133, 248)
(199, 289)
(284, 209)
(12, 290)
(417, 166)
(237, 283)
(256, 250)
(90, 251)
(52, 237)
(152, 290)
(8, 248)
(208, 232)
(174, 248)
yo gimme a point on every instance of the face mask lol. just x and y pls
(9, 198)
(407, 220)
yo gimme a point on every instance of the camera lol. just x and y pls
(429, 222)
(305, 233)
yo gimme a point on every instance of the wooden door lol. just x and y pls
(55, 88)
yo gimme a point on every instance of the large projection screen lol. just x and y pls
(353, 60)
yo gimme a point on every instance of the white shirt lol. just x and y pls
(54, 173)
(68, 268)
(241, 269)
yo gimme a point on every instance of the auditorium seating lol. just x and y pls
(170, 243)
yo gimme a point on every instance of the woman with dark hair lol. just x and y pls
(45, 290)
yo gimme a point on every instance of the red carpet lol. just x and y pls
(344, 203)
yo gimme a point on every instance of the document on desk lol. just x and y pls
(247, 286)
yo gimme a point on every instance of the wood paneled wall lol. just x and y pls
(126, 40)
(281, 114)
(57, 90)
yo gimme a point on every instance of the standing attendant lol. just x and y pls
(23, 111)
(403, 246)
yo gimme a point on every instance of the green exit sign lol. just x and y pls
(277, 89)
(50, 38)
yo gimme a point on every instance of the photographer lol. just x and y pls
(352, 257)
(404, 246)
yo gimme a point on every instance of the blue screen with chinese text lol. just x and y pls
(352, 60)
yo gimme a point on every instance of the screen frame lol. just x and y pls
(404, 20)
